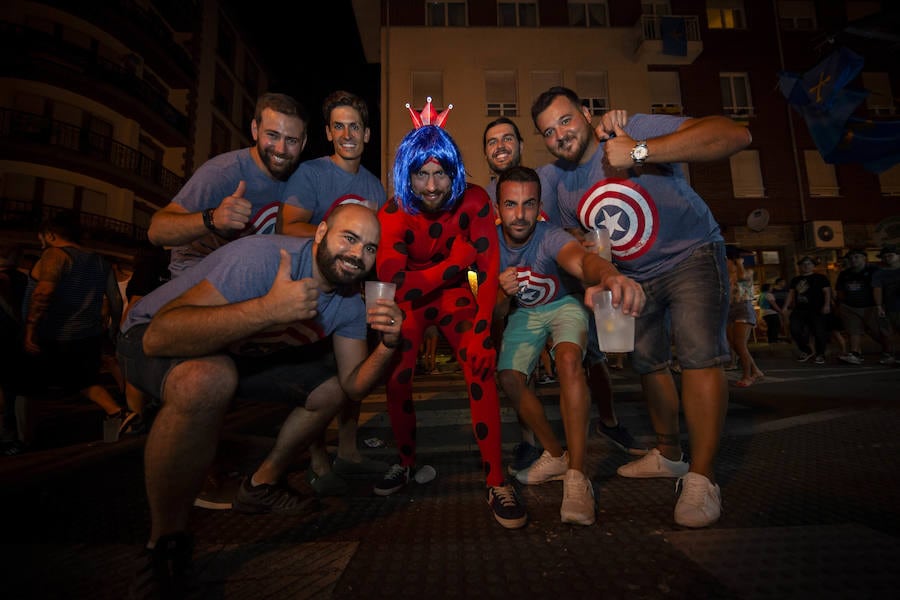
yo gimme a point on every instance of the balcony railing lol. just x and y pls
(20, 126)
(32, 49)
(651, 30)
(27, 215)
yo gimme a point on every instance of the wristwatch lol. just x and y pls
(208, 219)
(640, 152)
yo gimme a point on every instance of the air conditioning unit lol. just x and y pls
(824, 234)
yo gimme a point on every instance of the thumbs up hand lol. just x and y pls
(233, 213)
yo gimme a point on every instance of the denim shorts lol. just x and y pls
(527, 330)
(742, 312)
(288, 376)
(686, 307)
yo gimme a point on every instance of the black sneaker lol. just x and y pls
(132, 424)
(508, 511)
(524, 455)
(166, 571)
(621, 438)
(278, 498)
(393, 481)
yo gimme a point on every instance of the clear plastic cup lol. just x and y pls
(615, 329)
(378, 289)
(600, 238)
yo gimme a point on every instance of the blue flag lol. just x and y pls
(674, 36)
(827, 106)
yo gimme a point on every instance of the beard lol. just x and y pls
(281, 172)
(328, 265)
(572, 148)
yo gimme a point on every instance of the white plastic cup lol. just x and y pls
(378, 289)
(615, 329)
(425, 474)
(600, 238)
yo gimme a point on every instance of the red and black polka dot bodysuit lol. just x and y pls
(428, 256)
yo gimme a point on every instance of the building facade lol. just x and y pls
(107, 107)
(778, 197)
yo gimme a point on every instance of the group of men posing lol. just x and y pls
(243, 311)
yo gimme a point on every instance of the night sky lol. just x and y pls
(309, 68)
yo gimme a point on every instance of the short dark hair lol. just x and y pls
(519, 174)
(500, 121)
(65, 224)
(543, 101)
(280, 103)
(344, 98)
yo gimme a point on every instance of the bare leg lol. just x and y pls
(302, 427)
(662, 404)
(741, 335)
(529, 409)
(102, 398)
(705, 396)
(183, 439)
(574, 401)
(602, 393)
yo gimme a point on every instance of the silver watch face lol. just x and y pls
(639, 152)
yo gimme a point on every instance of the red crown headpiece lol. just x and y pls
(428, 116)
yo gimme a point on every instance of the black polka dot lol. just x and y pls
(408, 406)
(480, 326)
(464, 221)
(431, 313)
(464, 301)
(484, 210)
(405, 376)
(400, 248)
(446, 320)
(482, 244)
(451, 273)
(409, 237)
(477, 391)
(481, 431)
(435, 231)
(413, 294)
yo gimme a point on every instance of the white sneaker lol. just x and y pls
(546, 468)
(578, 499)
(700, 502)
(654, 464)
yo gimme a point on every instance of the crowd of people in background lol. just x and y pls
(256, 267)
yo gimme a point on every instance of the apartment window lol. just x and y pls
(819, 175)
(93, 202)
(656, 8)
(665, 93)
(223, 94)
(59, 194)
(427, 84)
(880, 100)
(797, 15)
(544, 80)
(593, 91)
(736, 101)
(445, 14)
(746, 177)
(890, 181)
(248, 109)
(500, 92)
(219, 139)
(725, 14)
(18, 187)
(588, 13)
(225, 43)
(251, 76)
(859, 9)
(521, 13)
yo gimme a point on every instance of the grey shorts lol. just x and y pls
(288, 376)
(859, 320)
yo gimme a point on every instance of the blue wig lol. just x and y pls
(416, 148)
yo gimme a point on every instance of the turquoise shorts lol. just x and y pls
(527, 330)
